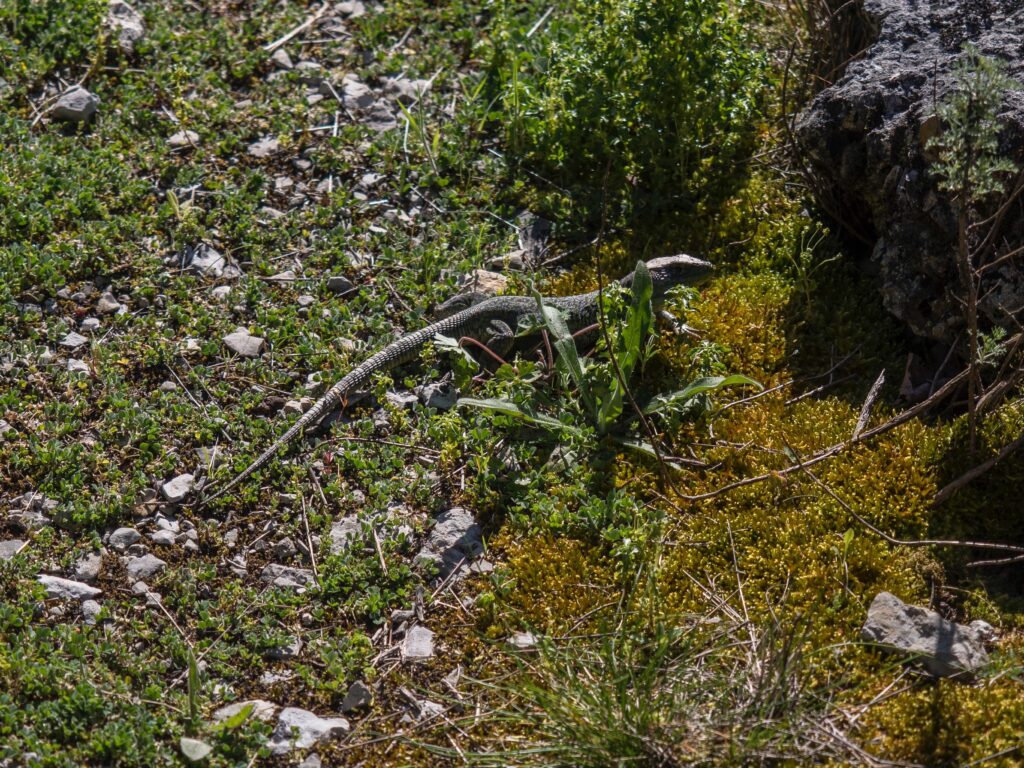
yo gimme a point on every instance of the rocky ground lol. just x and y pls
(209, 213)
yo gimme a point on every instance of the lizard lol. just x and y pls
(493, 322)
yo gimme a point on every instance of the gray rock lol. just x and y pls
(300, 729)
(66, 589)
(122, 538)
(338, 284)
(127, 23)
(107, 304)
(418, 644)
(145, 567)
(76, 105)
(261, 710)
(242, 343)
(183, 139)
(522, 640)
(268, 146)
(356, 93)
(88, 567)
(90, 611)
(439, 395)
(194, 750)
(312, 761)
(455, 540)
(90, 324)
(281, 59)
(178, 488)
(10, 548)
(168, 386)
(288, 577)
(947, 649)
(312, 72)
(163, 538)
(358, 696)
(865, 139)
(344, 532)
(284, 549)
(73, 340)
(289, 650)
(405, 90)
(77, 366)
(207, 261)
(380, 118)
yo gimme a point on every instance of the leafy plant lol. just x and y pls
(620, 112)
(600, 389)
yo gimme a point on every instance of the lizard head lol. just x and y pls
(669, 271)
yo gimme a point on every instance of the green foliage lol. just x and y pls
(40, 35)
(635, 104)
(969, 163)
(600, 389)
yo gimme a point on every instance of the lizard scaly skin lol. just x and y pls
(492, 322)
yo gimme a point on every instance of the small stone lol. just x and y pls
(89, 324)
(127, 23)
(107, 304)
(455, 539)
(88, 567)
(221, 292)
(77, 366)
(289, 650)
(484, 281)
(380, 118)
(145, 567)
(344, 532)
(9, 548)
(242, 343)
(90, 611)
(76, 105)
(301, 729)
(312, 761)
(122, 538)
(522, 640)
(439, 395)
(163, 538)
(190, 547)
(305, 300)
(405, 90)
(271, 213)
(284, 549)
(338, 284)
(66, 589)
(281, 59)
(358, 696)
(73, 340)
(261, 710)
(183, 139)
(265, 147)
(418, 644)
(288, 577)
(168, 386)
(351, 8)
(140, 588)
(947, 649)
(312, 72)
(231, 538)
(177, 489)
(207, 261)
(194, 749)
(356, 93)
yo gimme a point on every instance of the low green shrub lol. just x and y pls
(632, 106)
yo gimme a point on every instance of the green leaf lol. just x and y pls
(508, 408)
(697, 387)
(236, 719)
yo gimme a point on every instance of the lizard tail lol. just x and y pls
(331, 398)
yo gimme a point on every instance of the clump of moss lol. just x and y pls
(552, 583)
